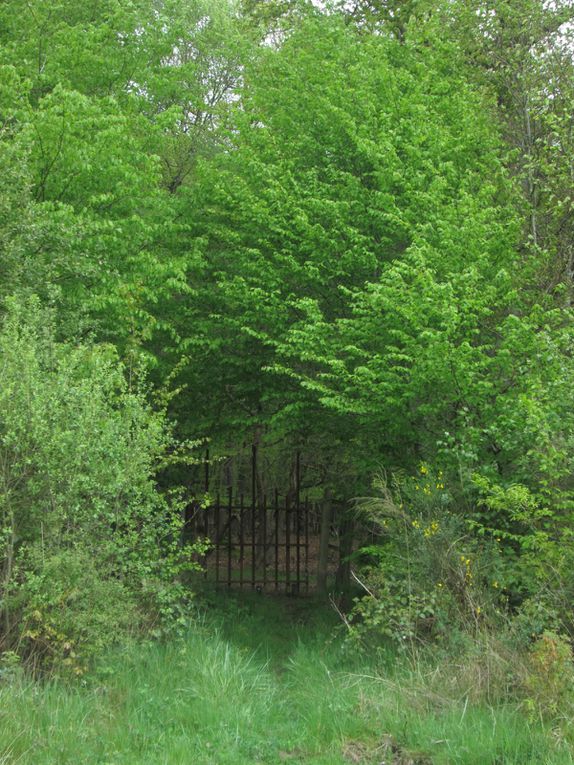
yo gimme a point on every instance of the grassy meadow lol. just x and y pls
(264, 681)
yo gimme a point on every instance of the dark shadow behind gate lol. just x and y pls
(266, 543)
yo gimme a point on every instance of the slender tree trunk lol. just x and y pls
(532, 191)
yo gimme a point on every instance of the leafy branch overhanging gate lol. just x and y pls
(266, 543)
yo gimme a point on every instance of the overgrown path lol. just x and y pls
(260, 681)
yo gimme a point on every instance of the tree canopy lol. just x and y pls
(342, 229)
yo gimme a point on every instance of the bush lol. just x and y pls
(71, 610)
(428, 577)
(549, 683)
(86, 539)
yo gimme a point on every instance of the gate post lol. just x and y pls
(343, 577)
(325, 533)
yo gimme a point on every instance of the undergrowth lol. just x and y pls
(262, 682)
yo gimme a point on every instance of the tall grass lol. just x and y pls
(262, 686)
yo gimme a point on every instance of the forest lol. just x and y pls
(286, 382)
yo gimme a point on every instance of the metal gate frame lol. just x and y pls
(257, 544)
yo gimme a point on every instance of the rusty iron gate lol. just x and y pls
(262, 543)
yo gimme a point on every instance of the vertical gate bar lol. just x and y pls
(253, 550)
(205, 534)
(276, 539)
(307, 544)
(206, 509)
(298, 520)
(241, 510)
(217, 540)
(264, 532)
(298, 476)
(298, 549)
(287, 545)
(253, 509)
(229, 544)
(206, 476)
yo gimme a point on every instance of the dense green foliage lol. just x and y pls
(339, 229)
(88, 544)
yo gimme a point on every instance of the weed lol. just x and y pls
(263, 683)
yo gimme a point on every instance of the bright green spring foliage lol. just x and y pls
(364, 270)
(86, 219)
(90, 549)
(104, 111)
(341, 230)
(363, 227)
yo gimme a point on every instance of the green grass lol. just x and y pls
(261, 682)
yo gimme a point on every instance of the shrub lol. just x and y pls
(549, 683)
(71, 610)
(86, 539)
(427, 577)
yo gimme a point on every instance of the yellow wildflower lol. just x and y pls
(431, 530)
